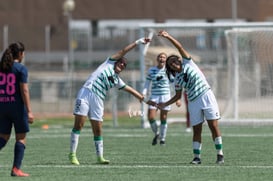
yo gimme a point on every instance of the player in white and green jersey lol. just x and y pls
(202, 104)
(158, 84)
(90, 99)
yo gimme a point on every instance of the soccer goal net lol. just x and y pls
(236, 58)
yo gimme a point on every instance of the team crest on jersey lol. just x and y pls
(159, 78)
(111, 79)
(185, 78)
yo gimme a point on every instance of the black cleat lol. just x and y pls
(196, 161)
(220, 159)
(162, 143)
(155, 139)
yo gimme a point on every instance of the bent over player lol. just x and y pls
(202, 104)
(90, 99)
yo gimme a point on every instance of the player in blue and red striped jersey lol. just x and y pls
(15, 108)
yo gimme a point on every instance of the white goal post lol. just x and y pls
(235, 57)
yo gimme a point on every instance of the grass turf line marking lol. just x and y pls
(39, 136)
(142, 166)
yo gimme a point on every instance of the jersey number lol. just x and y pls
(8, 80)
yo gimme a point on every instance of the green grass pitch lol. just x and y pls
(247, 152)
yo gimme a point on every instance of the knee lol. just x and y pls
(97, 131)
(3, 143)
(78, 125)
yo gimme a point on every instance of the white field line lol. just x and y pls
(145, 166)
(123, 135)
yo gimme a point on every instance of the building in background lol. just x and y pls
(28, 20)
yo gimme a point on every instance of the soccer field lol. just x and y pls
(247, 152)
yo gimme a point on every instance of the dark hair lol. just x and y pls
(6, 61)
(122, 60)
(169, 70)
(9, 55)
(16, 48)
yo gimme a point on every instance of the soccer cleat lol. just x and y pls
(15, 172)
(196, 161)
(101, 160)
(220, 159)
(155, 139)
(162, 143)
(73, 159)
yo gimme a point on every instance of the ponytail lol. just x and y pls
(6, 61)
(10, 54)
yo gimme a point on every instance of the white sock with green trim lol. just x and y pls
(98, 140)
(196, 149)
(163, 130)
(74, 140)
(154, 126)
(219, 145)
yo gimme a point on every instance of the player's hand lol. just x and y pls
(163, 33)
(143, 41)
(178, 103)
(30, 118)
(152, 103)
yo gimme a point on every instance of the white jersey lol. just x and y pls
(191, 79)
(103, 79)
(160, 84)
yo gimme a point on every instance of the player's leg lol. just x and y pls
(217, 138)
(5, 131)
(3, 140)
(98, 140)
(197, 143)
(196, 120)
(19, 152)
(74, 138)
(81, 110)
(96, 120)
(21, 127)
(212, 115)
(163, 126)
(153, 124)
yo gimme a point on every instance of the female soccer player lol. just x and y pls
(15, 108)
(90, 99)
(202, 102)
(160, 91)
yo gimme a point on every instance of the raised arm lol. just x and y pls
(176, 43)
(129, 47)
